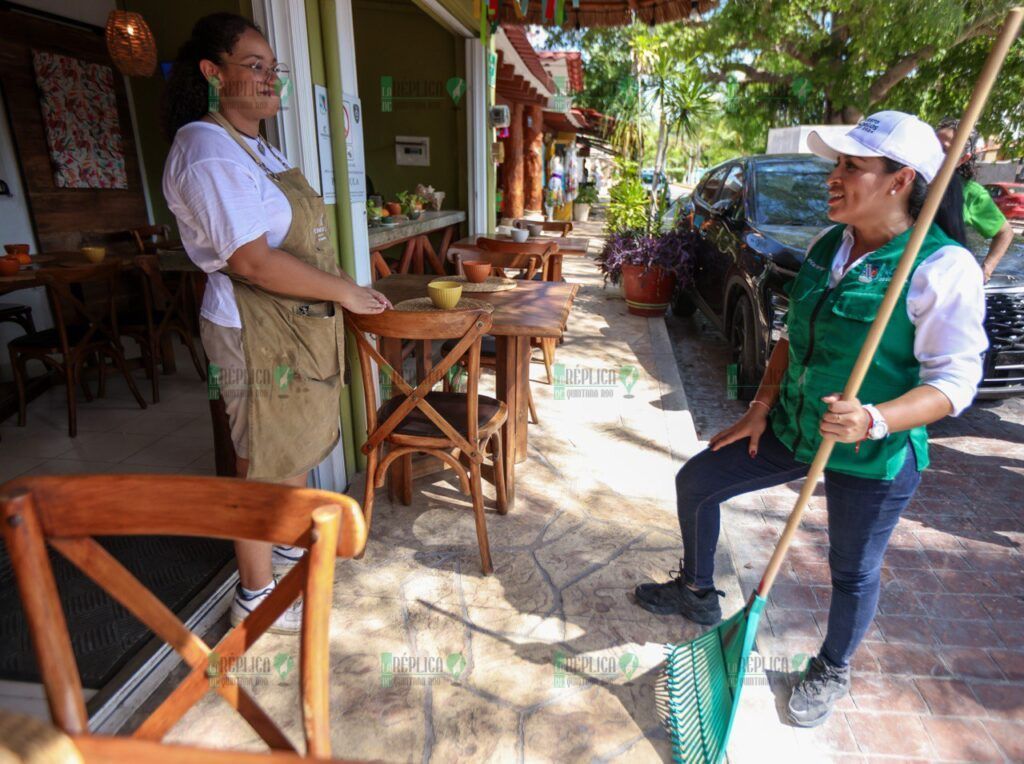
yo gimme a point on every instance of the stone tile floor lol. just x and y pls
(941, 675)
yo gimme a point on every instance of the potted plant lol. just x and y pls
(648, 266)
(586, 197)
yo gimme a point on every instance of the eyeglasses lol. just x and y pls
(257, 68)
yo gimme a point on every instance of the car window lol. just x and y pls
(709, 191)
(1015, 189)
(792, 192)
(732, 189)
(995, 191)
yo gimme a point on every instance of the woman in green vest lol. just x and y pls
(926, 368)
(269, 322)
(980, 212)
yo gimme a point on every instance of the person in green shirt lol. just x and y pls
(980, 212)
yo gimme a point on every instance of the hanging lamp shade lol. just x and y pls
(131, 44)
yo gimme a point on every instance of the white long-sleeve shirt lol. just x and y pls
(946, 304)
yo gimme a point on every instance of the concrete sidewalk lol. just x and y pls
(547, 659)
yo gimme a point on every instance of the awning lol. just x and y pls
(608, 13)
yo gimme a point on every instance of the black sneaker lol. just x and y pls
(675, 597)
(813, 698)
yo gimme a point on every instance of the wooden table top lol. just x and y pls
(532, 309)
(26, 277)
(567, 245)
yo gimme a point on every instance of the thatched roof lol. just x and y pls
(608, 13)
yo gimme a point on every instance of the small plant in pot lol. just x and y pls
(648, 266)
(585, 199)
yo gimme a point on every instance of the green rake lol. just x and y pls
(704, 677)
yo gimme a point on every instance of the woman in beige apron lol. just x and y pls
(273, 333)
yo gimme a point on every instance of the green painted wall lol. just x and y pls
(171, 24)
(395, 38)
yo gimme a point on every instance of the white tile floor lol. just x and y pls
(114, 434)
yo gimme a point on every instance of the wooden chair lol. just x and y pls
(561, 227)
(147, 237)
(165, 313)
(66, 513)
(544, 250)
(19, 314)
(83, 329)
(437, 423)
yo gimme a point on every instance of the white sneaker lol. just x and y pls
(284, 558)
(289, 622)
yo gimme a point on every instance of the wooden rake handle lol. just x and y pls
(924, 221)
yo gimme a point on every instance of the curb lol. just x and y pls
(683, 440)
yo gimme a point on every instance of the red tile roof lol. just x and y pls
(573, 62)
(517, 36)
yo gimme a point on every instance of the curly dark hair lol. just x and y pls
(969, 167)
(186, 97)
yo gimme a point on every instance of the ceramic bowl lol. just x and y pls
(476, 271)
(535, 229)
(9, 266)
(94, 254)
(16, 249)
(519, 235)
(444, 294)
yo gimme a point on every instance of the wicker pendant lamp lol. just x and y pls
(131, 44)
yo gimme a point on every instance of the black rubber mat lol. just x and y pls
(105, 636)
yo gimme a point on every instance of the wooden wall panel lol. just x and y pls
(59, 215)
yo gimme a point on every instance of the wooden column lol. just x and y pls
(533, 158)
(512, 169)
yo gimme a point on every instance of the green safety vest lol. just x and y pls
(827, 328)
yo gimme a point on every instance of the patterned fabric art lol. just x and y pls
(79, 109)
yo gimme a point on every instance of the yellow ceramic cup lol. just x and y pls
(94, 254)
(444, 294)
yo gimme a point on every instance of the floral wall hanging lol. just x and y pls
(79, 107)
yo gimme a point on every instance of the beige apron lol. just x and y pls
(294, 349)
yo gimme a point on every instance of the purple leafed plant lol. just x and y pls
(672, 251)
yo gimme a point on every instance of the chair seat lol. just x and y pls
(135, 320)
(488, 346)
(49, 339)
(452, 406)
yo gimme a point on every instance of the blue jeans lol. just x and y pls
(862, 513)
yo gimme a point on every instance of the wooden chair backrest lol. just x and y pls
(562, 227)
(466, 325)
(70, 305)
(149, 234)
(528, 262)
(67, 512)
(159, 294)
(521, 248)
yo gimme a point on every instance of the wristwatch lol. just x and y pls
(878, 428)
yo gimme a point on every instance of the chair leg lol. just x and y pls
(498, 463)
(69, 384)
(101, 366)
(368, 492)
(151, 367)
(80, 376)
(405, 487)
(529, 402)
(186, 340)
(19, 370)
(114, 353)
(477, 491)
(547, 347)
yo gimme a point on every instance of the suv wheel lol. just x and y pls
(743, 339)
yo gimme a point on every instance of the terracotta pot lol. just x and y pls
(476, 271)
(16, 249)
(9, 266)
(393, 208)
(648, 293)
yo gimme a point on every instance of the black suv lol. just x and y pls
(755, 217)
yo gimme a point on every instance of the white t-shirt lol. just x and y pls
(222, 200)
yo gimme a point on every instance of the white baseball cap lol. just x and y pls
(901, 137)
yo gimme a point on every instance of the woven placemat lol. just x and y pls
(424, 303)
(490, 284)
